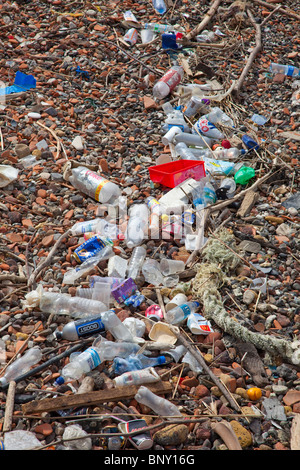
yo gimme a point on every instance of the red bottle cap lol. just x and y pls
(226, 144)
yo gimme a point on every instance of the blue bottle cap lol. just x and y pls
(59, 381)
(249, 142)
(161, 360)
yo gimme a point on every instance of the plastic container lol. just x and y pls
(170, 266)
(169, 41)
(75, 330)
(21, 365)
(159, 6)
(184, 152)
(243, 175)
(159, 405)
(216, 115)
(173, 173)
(178, 314)
(168, 82)
(194, 106)
(178, 299)
(154, 313)
(137, 227)
(136, 362)
(288, 70)
(198, 325)
(108, 350)
(158, 28)
(228, 154)
(207, 128)
(193, 139)
(94, 185)
(176, 119)
(168, 138)
(151, 272)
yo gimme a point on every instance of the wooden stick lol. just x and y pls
(290, 13)
(198, 356)
(213, 8)
(9, 407)
(269, 16)
(251, 57)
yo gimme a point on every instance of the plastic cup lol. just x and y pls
(170, 266)
(147, 35)
(171, 281)
(179, 299)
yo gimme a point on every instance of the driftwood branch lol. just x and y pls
(282, 10)
(251, 57)
(9, 407)
(213, 8)
(47, 261)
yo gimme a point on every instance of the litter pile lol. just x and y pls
(150, 225)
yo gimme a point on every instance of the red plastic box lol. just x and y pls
(171, 174)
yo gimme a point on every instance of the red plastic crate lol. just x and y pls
(171, 174)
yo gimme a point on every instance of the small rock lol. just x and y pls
(171, 435)
(243, 435)
(22, 150)
(77, 143)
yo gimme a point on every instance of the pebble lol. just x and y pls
(172, 435)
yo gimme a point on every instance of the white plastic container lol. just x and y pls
(94, 185)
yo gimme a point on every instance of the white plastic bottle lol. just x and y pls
(94, 185)
(137, 227)
(159, 6)
(83, 227)
(159, 405)
(178, 314)
(168, 82)
(136, 261)
(288, 70)
(193, 139)
(21, 365)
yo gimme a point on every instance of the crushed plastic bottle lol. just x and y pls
(168, 82)
(184, 152)
(159, 405)
(83, 363)
(64, 304)
(151, 272)
(108, 350)
(178, 314)
(137, 225)
(84, 268)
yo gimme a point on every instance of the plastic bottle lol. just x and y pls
(206, 36)
(244, 175)
(94, 185)
(81, 364)
(159, 405)
(21, 365)
(74, 330)
(207, 128)
(108, 229)
(108, 350)
(176, 118)
(228, 154)
(136, 377)
(168, 82)
(193, 139)
(136, 262)
(178, 314)
(113, 324)
(216, 115)
(204, 194)
(72, 275)
(155, 211)
(288, 70)
(64, 304)
(136, 362)
(137, 225)
(159, 28)
(86, 226)
(159, 6)
(184, 152)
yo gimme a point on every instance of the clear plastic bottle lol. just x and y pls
(216, 115)
(137, 225)
(159, 405)
(288, 70)
(136, 261)
(136, 377)
(136, 362)
(194, 106)
(72, 275)
(94, 185)
(193, 139)
(81, 364)
(77, 329)
(184, 152)
(108, 229)
(204, 194)
(21, 365)
(83, 227)
(64, 304)
(159, 28)
(159, 6)
(113, 324)
(168, 82)
(228, 154)
(108, 350)
(178, 314)
(151, 272)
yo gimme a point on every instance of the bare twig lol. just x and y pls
(213, 8)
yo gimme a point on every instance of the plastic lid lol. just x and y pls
(58, 334)
(161, 360)
(60, 380)
(3, 381)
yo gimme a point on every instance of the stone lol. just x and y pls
(244, 436)
(22, 150)
(171, 435)
(34, 115)
(77, 143)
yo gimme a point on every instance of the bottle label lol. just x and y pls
(290, 71)
(90, 327)
(185, 309)
(89, 248)
(93, 358)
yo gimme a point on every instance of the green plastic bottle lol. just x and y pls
(244, 174)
